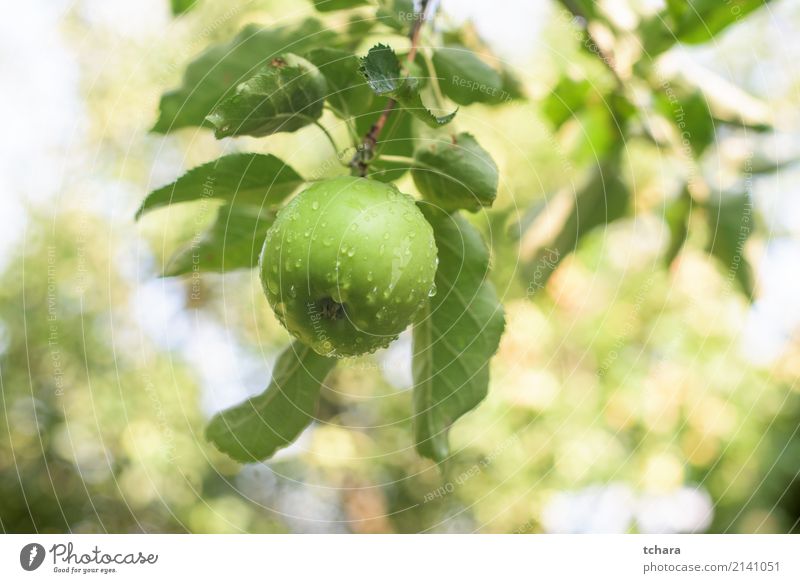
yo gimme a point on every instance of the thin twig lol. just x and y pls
(364, 154)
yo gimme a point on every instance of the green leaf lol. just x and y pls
(691, 115)
(256, 429)
(693, 22)
(332, 5)
(397, 14)
(603, 199)
(512, 85)
(598, 135)
(255, 179)
(233, 241)
(348, 94)
(567, 98)
(730, 221)
(465, 78)
(677, 216)
(456, 337)
(382, 71)
(705, 19)
(284, 95)
(456, 174)
(181, 6)
(677, 8)
(215, 73)
(586, 9)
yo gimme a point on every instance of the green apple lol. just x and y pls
(347, 265)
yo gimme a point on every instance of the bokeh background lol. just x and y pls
(626, 396)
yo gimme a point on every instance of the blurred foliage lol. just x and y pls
(621, 362)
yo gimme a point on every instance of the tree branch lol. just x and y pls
(366, 151)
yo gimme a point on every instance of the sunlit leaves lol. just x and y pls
(456, 173)
(604, 198)
(256, 179)
(382, 71)
(693, 22)
(456, 337)
(284, 95)
(216, 72)
(257, 428)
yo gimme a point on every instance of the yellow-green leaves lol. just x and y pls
(215, 73)
(456, 337)
(693, 22)
(604, 198)
(455, 174)
(284, 95)
(257, 428)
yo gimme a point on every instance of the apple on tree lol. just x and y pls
(347, 264)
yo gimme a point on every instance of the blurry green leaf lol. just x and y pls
(181, 6)
(597, 135)
(677, 8)
(703, 19)
(692, 22)
(456, 174)
(284, 95)
(233, 241)
(256, 179)
(761, 164)
(397, 14)
(567, 98)
(465, 78)
(730, 222)
(216, 72)
(655, 36)
(396, 139)
(603, 199)
(348, 94)
(586, 9)
(690, 114)
(256, 429)
(331, 5)
(511, 84)
(382, 71)
(357, 28)
(520, 223)
(677, 216)
(456, 337)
